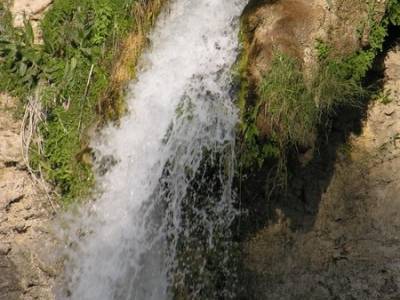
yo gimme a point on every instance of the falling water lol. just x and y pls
(161, 226)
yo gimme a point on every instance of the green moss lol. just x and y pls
(241, 75)
(251, 152)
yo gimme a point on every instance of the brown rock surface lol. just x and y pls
(32, 10)
(350, 250)
(27, 262)
(293, 27)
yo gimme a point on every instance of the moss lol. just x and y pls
(112, 104)
(240, 74)
(244, 87)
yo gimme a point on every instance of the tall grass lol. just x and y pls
(287, 102)
(293, 108)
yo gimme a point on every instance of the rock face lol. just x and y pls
(346, 244)
(288, 26)
(27, 245)
(32, 10)
(294, 26)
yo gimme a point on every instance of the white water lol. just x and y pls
(160, 203)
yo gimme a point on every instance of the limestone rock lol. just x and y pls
(32, 10)
(350, 249)
(26, 239)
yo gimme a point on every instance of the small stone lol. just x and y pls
(12, 201)
(29, 216)
(4, 248)
(389, 111)
(21, 228)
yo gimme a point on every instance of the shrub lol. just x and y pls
(295, 107)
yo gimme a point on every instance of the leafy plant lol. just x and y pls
(102, 23)
(323, 49)
(384, 97)
(393, 9)
(71, 71)
(20, 59)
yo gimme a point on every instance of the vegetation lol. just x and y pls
(289, 109)
(71, 73)
(384, 97)
(293, 107)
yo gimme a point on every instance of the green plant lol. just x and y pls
(21, 60)
(323, 49)
(293, 108)
(377, 29)
(71, 71)
(360, 62)
(102, 22)
(384, 97)
(393, 10)
(287, 101)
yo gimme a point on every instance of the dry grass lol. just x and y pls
(145, 12)
(30, 135)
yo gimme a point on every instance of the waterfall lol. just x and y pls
(161, 224)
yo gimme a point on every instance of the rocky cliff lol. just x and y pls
(331, 230)
(294, 27)
(332, 233)
(28, 261)
(340, 240)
